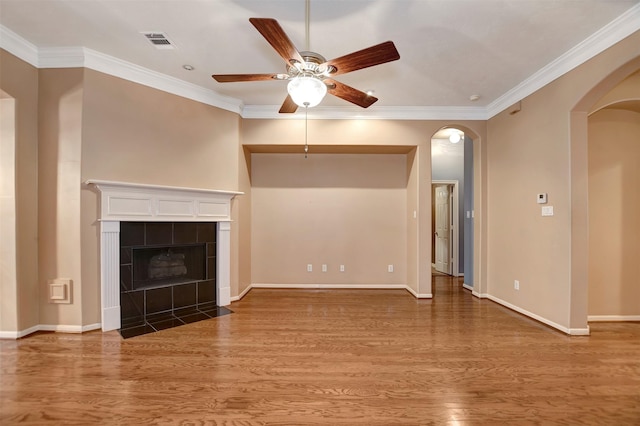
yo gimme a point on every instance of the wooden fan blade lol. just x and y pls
(277, 38)
(349, 94)
(374, 55)
(231, 78)
(288, 106)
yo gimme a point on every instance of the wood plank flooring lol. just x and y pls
(337, 357)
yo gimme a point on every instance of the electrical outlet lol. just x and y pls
(516, 285)
(309, 268)
(324, 268)
(390, 268)
(341, 268)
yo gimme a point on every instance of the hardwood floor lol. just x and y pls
(337, 357)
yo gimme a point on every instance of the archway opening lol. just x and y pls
(580, 242)
(452, 203)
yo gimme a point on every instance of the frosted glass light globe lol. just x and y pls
(306, 91)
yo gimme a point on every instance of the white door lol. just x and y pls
(443, 229)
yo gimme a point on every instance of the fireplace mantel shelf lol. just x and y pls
(144, 202)
(143, 186)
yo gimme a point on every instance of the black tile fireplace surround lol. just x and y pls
(167, 275)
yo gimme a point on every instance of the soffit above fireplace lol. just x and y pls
(125, 201)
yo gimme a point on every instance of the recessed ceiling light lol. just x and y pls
(474, 98)
(188, 67)
(370, 92)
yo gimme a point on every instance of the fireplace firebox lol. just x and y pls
(167, 265)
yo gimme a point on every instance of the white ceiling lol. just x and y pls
(450, 49)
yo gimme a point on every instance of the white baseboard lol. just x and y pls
(419, 295)
(241, 295)
(341, 286)
(18, 334)
(468, 287)
(49, 327)
(62, 328)
(570, 331)
(613, 318)
(332, 286)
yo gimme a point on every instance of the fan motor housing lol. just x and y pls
(311, 65)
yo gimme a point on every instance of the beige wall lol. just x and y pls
(19, 81)
(59, 163)
(333, 209)
(614, 203)
(531, 152)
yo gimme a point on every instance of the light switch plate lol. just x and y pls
(547, 211)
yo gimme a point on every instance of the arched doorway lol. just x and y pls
(455, 165)
(580, 190)
(614, 179)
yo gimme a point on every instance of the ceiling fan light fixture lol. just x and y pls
(306, 91)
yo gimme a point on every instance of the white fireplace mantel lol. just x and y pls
(130, 202)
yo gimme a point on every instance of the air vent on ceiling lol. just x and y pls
(158, 39)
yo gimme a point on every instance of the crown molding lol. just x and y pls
(126, 70)
(615, 31)
(73, 57)
(372, 113)
(78, 57)
(18, 46)
(61, 57)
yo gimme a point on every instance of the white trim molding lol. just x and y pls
(570, 331)
(339, 286)
(132, 202)
(242, 294)
(49, 327)
(613, 318)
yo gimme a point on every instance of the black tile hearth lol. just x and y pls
(177, 318)
(195, 317)
(136, 331)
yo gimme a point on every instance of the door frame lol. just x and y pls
(455, 223)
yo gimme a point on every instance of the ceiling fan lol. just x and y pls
(309, 74)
